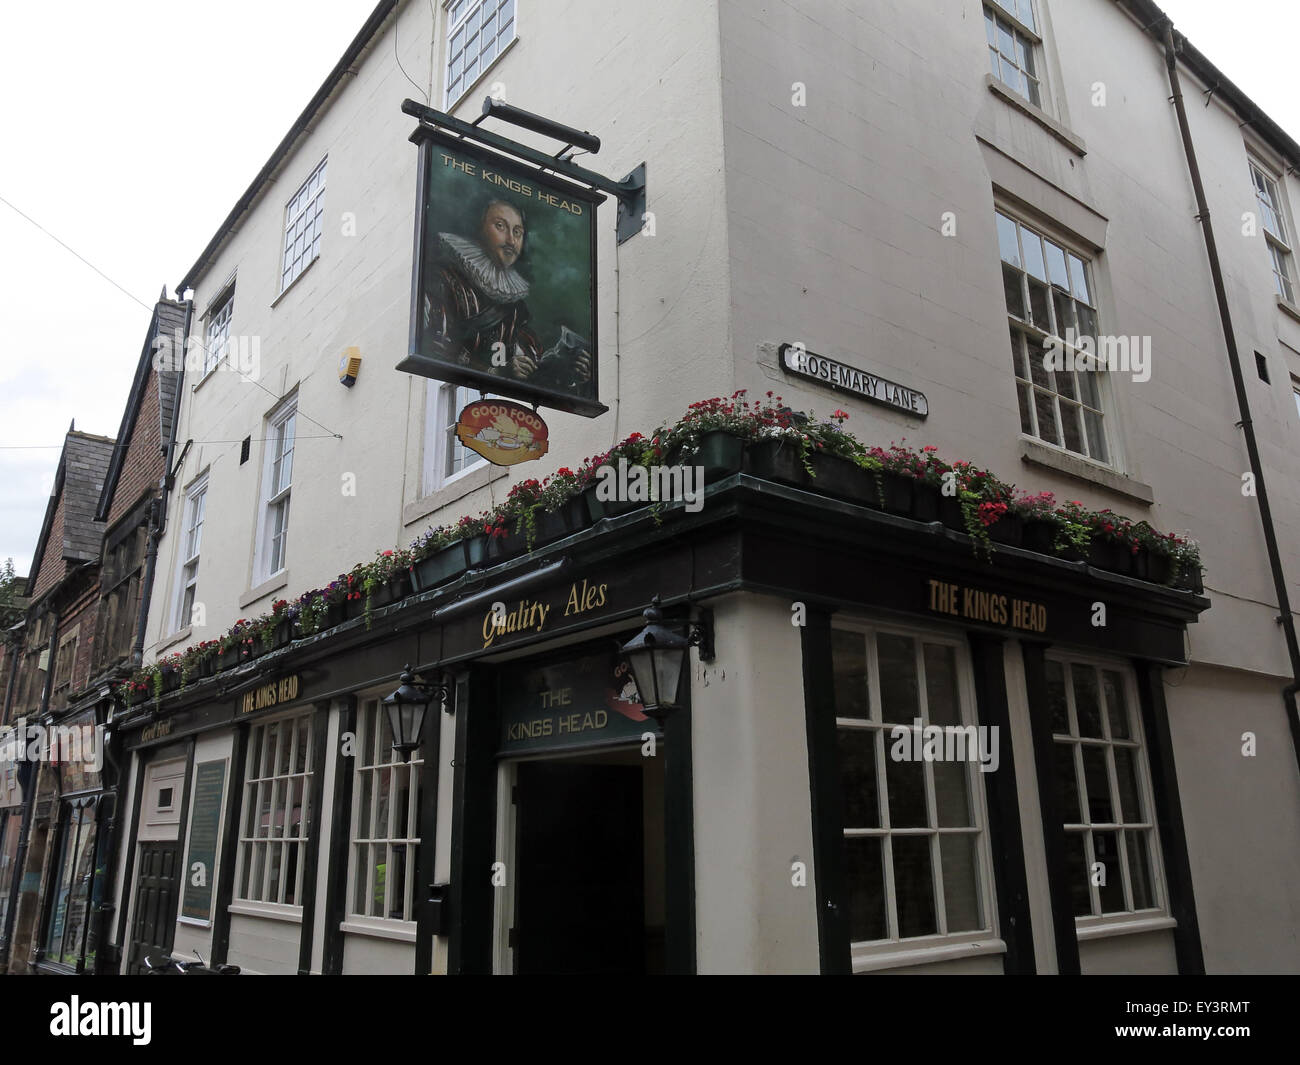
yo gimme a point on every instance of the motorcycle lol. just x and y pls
(166, 965)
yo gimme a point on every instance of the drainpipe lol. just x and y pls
(15, 658)
(146, 592)
(1285, 617)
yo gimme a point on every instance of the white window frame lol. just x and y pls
(303, 224)
(1027, 35)
(191, 545)
(269, 790)
(468, 13)
(893, 950)
(216, 342)
(273, 521)
(443, 404)
(370, 761)
(1097, 923)
(1079, 393)
(1270, 201)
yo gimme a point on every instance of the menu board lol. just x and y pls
(205, 825)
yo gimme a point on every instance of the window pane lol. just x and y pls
(1116, 706)
(905, 785)
(1038, 306)
(1007, 244)
(1067, 784)
(1056, 266)
(1126, 773)
(1106, 853)
(941, 684)
(857, 748)
(364, 800)
(960, 883)
(1076, 872)
(849, 657)
(1096, 441)
(898, 687)
(1013, 291)
(1071, 425)
(1097, 782)
(1045, 408)
(951, 794)
(1025, 9)
(1033, 246)
(1086, 700)
(1026, 424)
(1079, 278)
(1139, 869)
(914, 886)
(864, 878)
(1064, 307)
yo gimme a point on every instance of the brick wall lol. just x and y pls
(143, 465)
(51, 564)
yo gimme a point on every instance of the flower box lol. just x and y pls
(171, 679)
(779, 461)
(283, 635)
(950, 513)
(571, 516)
(501, 548)
(606, 508)
(1008, 531)
(721, 454)
(1038, 536)
(228, 659)
(843, 479)
(441, 566)
(1111, 555)
(476, 550)
(1190, 579)
(899, 493)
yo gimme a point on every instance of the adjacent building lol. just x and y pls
(922, 194)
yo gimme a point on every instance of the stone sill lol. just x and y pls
(1037, 114)
(1287, 307)
(462, 486)
(274, 584)
(173, 640)
(1105, 929)
(1037, 454)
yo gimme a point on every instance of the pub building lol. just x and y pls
(763, 819)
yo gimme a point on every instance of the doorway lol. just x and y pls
(588, 856)
(154, 929)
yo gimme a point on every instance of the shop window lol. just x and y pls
(477, 32)
(1014, 47)
(69, 935)
(915, 846)
(1112, 852)
(275, 821)
(1272, 220)
(1050, 293)
(302, 226)
(385, 822)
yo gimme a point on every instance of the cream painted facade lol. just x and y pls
(860, 222)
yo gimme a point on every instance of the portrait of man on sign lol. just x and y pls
(475, 307)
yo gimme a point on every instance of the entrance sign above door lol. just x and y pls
(590, 701)
(840, 376)
(503, 433)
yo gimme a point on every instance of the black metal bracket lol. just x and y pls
(701, 634)
(630, 191)
(438, 688)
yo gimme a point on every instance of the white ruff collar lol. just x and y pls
(501, 284)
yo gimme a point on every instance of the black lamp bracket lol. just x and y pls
(701, 634)
(439, 689)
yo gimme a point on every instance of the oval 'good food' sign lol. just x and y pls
(502, 432)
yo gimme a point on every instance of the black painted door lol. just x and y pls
(580, 902)
(153, 927)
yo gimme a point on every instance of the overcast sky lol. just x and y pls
(129, 129)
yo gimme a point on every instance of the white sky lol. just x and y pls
(129, 129)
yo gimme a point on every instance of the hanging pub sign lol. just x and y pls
(797, 360)
(502, 432)
(504, 292)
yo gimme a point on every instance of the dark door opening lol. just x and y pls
(581, 870)
(154, 928)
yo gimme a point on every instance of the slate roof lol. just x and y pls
(86, 460)
(79, 480)
(169, 321)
